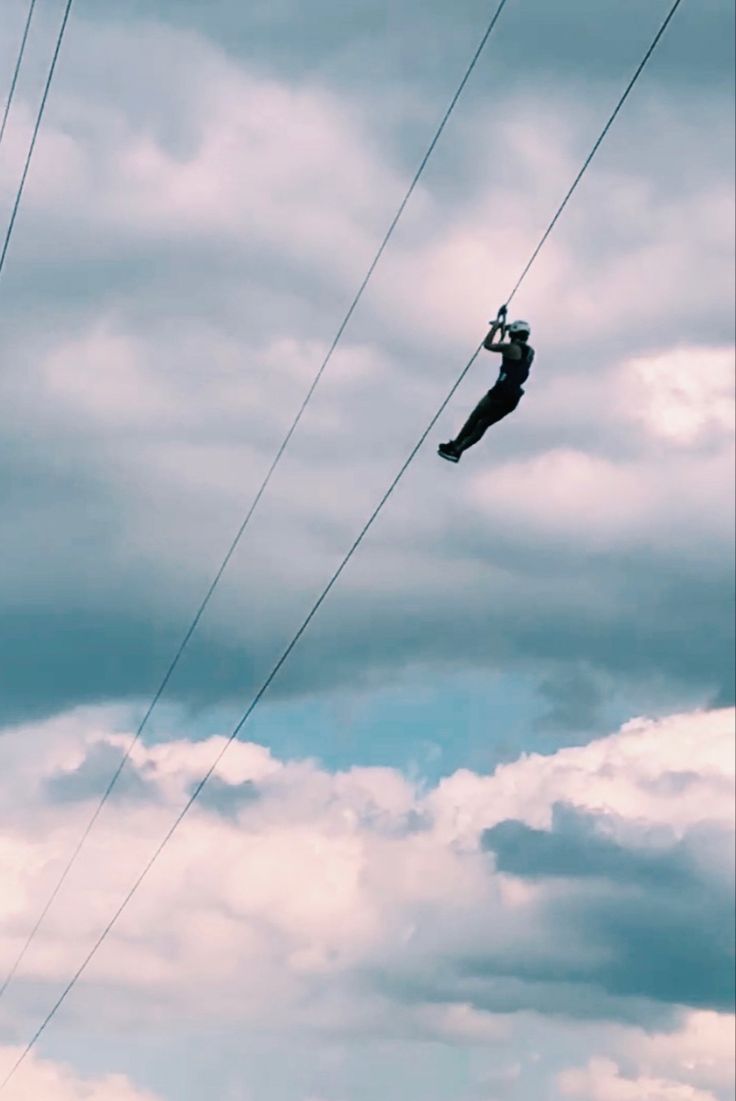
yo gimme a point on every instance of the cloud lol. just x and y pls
(667, 922)
(580, 846)
(374, 48)
(700, 1051)
(688, 395)
(602, 1081)
(620, 775)
(92, 776)
(579, 890)
(53, 1081)
(341, 868)
(575, 695)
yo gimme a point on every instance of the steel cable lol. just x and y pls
(34, 138)
(16, 72)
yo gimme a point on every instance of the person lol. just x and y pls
(505, 395)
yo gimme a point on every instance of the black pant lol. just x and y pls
(497, 403)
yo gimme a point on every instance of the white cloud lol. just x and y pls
(692, 1062)
(602, 1081)
(620, 775)
(609, 503)
(702, 1051)
(44, 1080)
(264, 161)
(296, 875)
(686, 394)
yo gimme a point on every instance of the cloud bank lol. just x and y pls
(591, 889)
(191, 236)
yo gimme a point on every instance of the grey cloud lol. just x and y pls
(671, 783)
(92, 776)
(502, 987)
(512, 631)
(227, 799)
(665, 924)
(576, 847)
(669, 948)
(106, 553)
(575, 696)
(634, 931)
(420, 42)
(55, 658)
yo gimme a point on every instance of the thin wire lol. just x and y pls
(285, 655)
(596, 147)
(252, 706)
(37, 127)
(224, 564)
(19, 62)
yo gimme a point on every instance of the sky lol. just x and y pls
(476, 841)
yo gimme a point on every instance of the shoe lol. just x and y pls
(447, 451)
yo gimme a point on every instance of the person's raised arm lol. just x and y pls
(490, 344)
(505, 347)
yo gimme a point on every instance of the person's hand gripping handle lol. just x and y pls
(499, 323)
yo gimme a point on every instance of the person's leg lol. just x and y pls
(475, 425)
(491, 409)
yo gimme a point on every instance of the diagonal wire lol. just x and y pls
(231, 550)
(305, 624)
(36, 128)
(234, 734)
(16, 73)
(596, 147)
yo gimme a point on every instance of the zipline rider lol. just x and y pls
(507, 392)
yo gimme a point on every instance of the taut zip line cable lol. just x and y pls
(323, 595)
(16, 73)
(34, 139)
(264, 484)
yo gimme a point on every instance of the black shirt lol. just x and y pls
(515, 372)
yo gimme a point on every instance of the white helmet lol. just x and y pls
(519, 327)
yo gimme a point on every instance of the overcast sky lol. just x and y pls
(476, 842)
